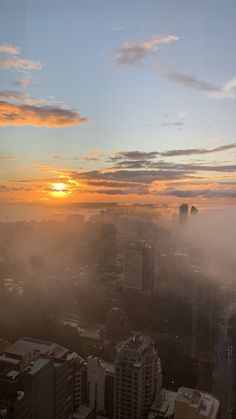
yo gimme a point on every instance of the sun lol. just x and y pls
(59, 190)
(59, 187)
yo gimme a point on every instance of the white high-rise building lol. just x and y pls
(138, 377)
(96, 383)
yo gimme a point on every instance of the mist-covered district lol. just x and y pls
(61, 281)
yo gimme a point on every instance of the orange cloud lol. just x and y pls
(19, 64)
(9, 49)
(23, 98)
(39, 116)
(164, 182)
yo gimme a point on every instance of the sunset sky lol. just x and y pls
(118, 101)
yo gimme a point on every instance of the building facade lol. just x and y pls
(40, 379)
(138, 267)
(138, 377)
(183, 213)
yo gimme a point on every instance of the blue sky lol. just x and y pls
(150, 75)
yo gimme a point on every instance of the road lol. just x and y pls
(224, 365)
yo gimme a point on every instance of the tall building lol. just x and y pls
(64, 388)
(109, 390)
(138, 267)
(183, 213)
(100, 376)
(138, 377)
(96, 383)
(194, 210)
(194, 404)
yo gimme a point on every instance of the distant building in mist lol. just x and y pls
(40, 379)
(107, 248)
(183, 213)
(138, 267)
(203, 295)
(194, 210)
(138, 377)
(75, 220)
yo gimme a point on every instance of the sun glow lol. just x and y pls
(59, 190)
(59, 187)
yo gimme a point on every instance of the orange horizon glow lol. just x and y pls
(57, 185)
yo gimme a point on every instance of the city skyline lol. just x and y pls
(117, 102)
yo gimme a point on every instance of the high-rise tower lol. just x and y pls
(138, 377)
(138, 267)
(183, 213)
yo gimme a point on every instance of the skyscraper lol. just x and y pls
(183, 213)
(194, 210)
(138, 267)
(138, 377)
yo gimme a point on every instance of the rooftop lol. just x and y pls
(24, 346)
(8, 364)
(109, 367)
(32, 368)
(12, 374)
(6, 357)
(82, 413)
(205, 404)
(137, 342)
(163, 408)
(35, 366)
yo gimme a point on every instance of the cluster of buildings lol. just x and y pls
(43, 380)
(184, 212)
(40, 380)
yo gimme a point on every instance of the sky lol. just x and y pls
(117, 101)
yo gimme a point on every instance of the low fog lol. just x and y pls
(61, 280)
(213, 235)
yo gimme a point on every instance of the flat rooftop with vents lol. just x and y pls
(195, 404)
